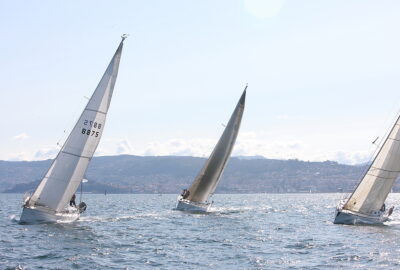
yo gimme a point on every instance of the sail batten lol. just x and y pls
(68, 168)
(207, 180)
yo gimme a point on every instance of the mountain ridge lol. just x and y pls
(170, 174)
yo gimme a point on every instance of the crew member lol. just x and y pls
(72, 201)
(185, 193)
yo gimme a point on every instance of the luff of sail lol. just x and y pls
(68, 168)
(376, 184)
(208, 178)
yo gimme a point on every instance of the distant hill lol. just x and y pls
(170, 174)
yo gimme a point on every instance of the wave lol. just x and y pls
(118, 218)
(14, 218)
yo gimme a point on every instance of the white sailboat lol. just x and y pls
(195, 199)
(366, 205)
(50, 201)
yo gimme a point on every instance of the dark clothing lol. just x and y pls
(185, 193)
(390, 210)
(72, 201)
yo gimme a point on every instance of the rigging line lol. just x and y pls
(376, 151)
(72, 122)
(377, 154)
(380, 143)
(80, 197)
(58, 154)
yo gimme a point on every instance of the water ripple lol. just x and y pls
(258, 231)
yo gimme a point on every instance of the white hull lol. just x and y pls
(41, 215)
(186, 205)
(351, 218)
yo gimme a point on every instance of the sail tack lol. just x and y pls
(376, 184)
(67, 170)
(207, 180)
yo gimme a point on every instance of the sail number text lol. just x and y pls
(93, 126)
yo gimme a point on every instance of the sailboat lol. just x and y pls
(50, 202)
(366, 205)
(195, 199)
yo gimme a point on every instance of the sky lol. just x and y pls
(322, 75)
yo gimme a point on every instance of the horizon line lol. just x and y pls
(241, 157)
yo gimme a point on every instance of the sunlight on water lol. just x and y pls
(255, 231)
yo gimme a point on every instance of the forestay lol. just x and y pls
(376, 184)
(208, 178)
(67, 170)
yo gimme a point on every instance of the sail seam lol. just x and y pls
(75, 155)
(377, 176)
(385, 170)
(393, 139)
(95, 111)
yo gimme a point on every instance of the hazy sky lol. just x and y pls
(323, 75)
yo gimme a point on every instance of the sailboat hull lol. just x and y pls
(351, 218)
(186, 205)
(36, 216)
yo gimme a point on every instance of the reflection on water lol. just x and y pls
(260, 231)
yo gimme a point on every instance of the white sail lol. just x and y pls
(376, 184)
(67, 170)
(208, 178)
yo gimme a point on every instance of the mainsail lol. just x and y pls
(68, 168)
(208, 178)
(377, 182)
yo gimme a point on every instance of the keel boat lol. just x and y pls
(195, 199)
(366, 205)
(50, 202)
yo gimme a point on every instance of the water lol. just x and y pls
(262, 231)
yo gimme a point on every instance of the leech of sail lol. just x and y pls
(378, 180)
(207, 180)
(68, 168)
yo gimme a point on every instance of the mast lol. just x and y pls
(68, 168)
(208, 178)
(377, 181)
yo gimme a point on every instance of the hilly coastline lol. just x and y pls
(170, 174)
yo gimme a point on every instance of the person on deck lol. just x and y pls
(390, 211)
(72, 201)
(185, 193)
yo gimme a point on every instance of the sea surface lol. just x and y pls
(259, 231)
